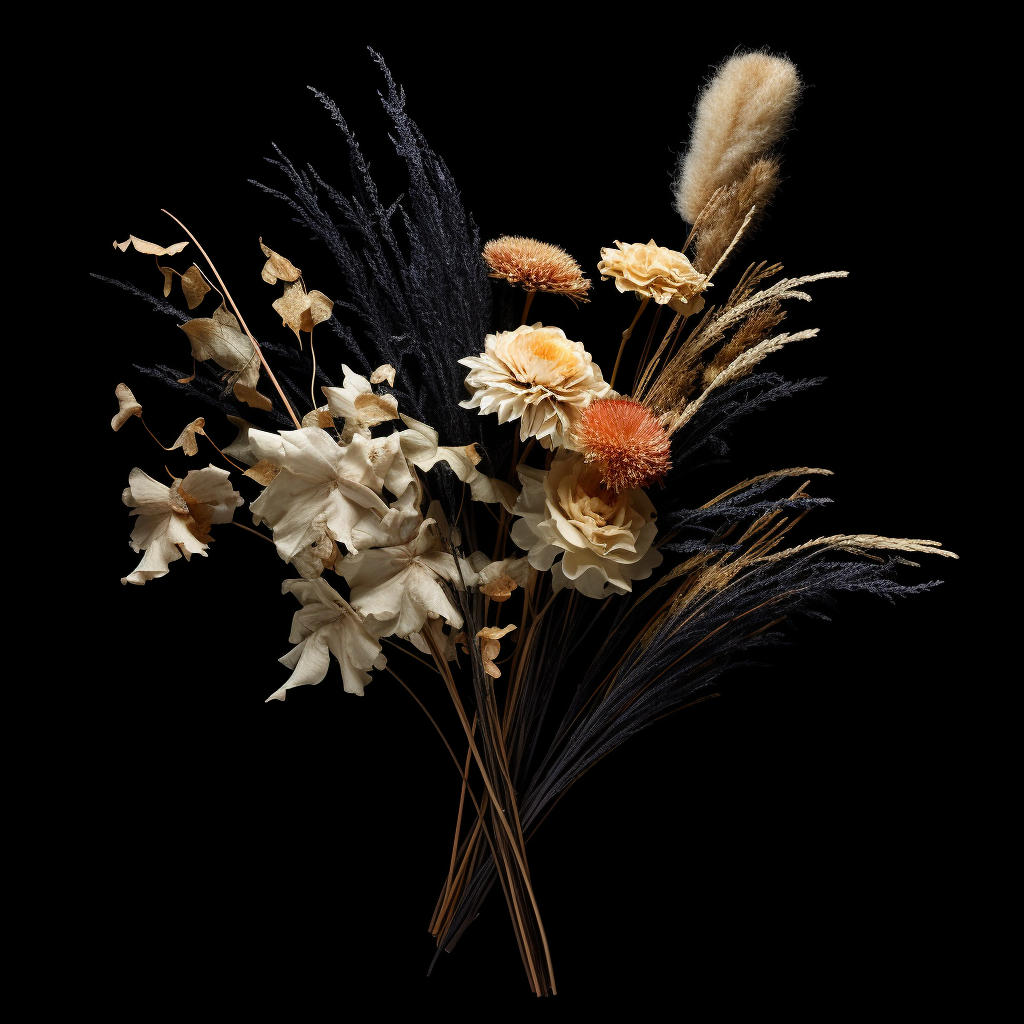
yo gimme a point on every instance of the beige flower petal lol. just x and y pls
(490, 647)
(382, 374)
(291, 306)
(129, 407)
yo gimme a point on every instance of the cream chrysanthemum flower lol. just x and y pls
(535, 374)
(654, 272)
(536, 266)
(604, 539)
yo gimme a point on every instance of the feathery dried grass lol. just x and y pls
(727, 211)
(742, 113)
(672, 388)
(755, 328)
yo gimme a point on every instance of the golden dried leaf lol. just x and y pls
(263, 472)
(200, 516)
(318, 310)
(373, 409)
(194, 285)
(383, 373)
(150, 247)
(251, 397)
(291, 306)
(168, 280)
(490, 647)
(129, 406)
(187, 438)
(500, 589)
(219, 338)
(277, 267)
(318, 418)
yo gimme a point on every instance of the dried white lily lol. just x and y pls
(324, 491)
(398, 587)
(174, 521)
(358, 404)
(327, 624)
(419, 443)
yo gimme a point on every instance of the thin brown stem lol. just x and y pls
(529, 301)
(625, 337)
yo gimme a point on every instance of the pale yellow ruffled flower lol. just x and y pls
(602, 540)
(654, 272)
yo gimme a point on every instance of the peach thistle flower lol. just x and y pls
(626, 441)
(654, 272)
(536, 266)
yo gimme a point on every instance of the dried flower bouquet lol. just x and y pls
(476, 500)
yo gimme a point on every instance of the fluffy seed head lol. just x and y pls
(625, 439)
(536, 266)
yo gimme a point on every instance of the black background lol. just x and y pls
(772, 843)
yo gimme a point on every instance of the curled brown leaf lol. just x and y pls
(194, 286)
(150, 247)
(277, 267)
(129, 406)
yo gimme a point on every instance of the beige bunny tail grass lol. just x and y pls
(741, 114)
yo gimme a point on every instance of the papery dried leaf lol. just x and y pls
(220, 338)
(168, 280)
(187, 438)
(263, 472)
(277, 267)
(382, 374)
(318, 418)
(373, 409)
(129, 406)
(318, 310)
(500, 590)
(194, 285)
(150, 247)
(251, 397)
(490, 647)
(200, 516)
(291, 306)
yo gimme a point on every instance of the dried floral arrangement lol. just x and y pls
(478, 500)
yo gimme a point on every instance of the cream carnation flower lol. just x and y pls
(604, 538)
(535, 374)
(654, 272)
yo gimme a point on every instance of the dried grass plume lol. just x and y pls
(742, 113)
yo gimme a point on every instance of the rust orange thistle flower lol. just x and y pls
(536, 266)
(625, 439)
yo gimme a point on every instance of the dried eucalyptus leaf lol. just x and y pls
(263, 472)
(219, 338)
(168, 280)
(194, 285)
(277, 267)
(251, 397)
(382, 374)
(318, 309)
(187, 438)
(291, 306)
(150, 247)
